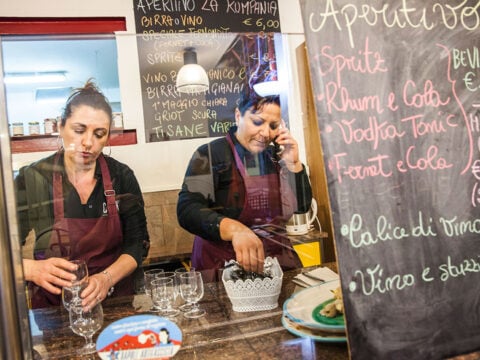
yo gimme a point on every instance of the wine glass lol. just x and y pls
(169, 275)
(163, 296)
(72, 293)
(81, 276)
(86, 323)
(148, 277)
(191, 289)
(178, 273)
(69, 296)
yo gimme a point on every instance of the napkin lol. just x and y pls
(323, 273)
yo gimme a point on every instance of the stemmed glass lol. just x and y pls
(191, 289)
(81, 275)
(86, 323)
(68, 297)
(163, 296)
(178, 272)
(148, 277)
(72, 293)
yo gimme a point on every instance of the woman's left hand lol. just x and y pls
(96, 290)
(289, 153)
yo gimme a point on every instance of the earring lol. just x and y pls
(59, 143)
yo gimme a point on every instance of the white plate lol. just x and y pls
(307, 333)
(299, 307)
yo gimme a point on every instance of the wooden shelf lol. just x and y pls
(34, 143)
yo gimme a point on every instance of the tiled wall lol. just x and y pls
(168, 241)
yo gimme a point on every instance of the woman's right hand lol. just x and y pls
(248, 247)
(51, 274)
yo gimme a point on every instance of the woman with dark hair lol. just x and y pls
(253, 176)
(83, 205)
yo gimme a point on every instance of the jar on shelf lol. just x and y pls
(34, 128)
(117, 120)
(17, 129)
(50, 126)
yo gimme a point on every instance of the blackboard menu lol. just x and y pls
(165, 29)
(206, 16)
(397, 96)
(170, 115)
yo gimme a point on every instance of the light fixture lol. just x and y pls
(268, 88)
(52, 95)
(191, 78)
(34, 77)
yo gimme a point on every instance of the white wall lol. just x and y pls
(161, 165)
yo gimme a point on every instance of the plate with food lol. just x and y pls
(314, 334)
(317, 307)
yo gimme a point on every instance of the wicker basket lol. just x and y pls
(254, 295)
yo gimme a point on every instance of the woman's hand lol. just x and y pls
(289, 154)
(51, 274)
(246, 244)
(96, 290)
(100, 284)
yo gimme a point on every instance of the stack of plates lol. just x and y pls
(301, 314)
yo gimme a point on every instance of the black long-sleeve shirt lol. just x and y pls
(203, 197)
(34, 187)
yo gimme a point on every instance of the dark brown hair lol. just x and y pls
(250, 99)
(88, 95)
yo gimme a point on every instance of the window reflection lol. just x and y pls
(40, 72)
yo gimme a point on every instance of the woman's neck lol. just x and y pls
(82, 178)
(74, 169)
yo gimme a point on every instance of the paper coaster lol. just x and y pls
(139, 337)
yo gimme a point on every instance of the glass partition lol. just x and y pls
(169, 124)
(15, 339)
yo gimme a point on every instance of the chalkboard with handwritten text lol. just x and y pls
(164, 30)
(170, 115)
(397, 94)
(206, 16)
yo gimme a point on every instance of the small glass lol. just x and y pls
(191, 289)
(71, 296)
(165, 274)
(81, 273)
(86, 324)
(81, 277)
(178, 273)
(169, 275)
(148, 277)
(163, 296)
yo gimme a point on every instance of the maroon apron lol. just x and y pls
(266, 199)
(98, 241)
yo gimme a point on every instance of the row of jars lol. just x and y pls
(49, 127)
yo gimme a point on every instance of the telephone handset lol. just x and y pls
(278, 149)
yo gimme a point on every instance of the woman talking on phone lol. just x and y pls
(82, 205)
(252, 176)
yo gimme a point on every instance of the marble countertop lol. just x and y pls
(221, 334)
